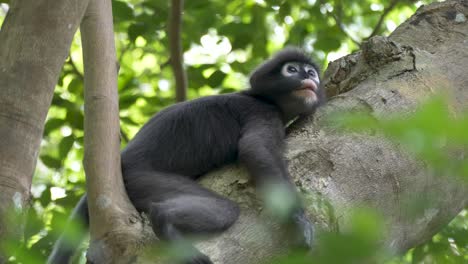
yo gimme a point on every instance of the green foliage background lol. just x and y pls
(223, 41)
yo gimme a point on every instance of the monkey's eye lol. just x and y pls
(311, 71)
(292, 69)
(289, 69)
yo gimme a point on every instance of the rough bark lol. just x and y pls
(337, 171)
(114, 225)
(34, 43)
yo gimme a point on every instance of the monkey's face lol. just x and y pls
(304, 82)
(291, 80)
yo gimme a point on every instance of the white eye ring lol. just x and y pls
(311, 72)
(289, 69)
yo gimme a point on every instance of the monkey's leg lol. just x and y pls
(178, 207)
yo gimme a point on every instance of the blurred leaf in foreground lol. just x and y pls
(432, 133)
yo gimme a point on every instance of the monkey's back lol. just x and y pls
(192, 138)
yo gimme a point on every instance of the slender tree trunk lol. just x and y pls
(175, 47)
(114, 225)
(34, 43)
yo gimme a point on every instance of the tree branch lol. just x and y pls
(124, 136)
(382, 17)
(175, 47)
(111, 213)
(341, 26)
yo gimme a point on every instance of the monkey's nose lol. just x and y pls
(308, 84)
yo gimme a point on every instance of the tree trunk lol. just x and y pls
(33, 48)
(114, 225)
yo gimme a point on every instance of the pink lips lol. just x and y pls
(309, 85)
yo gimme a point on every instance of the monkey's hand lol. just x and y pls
(304, 229)
(283, 202)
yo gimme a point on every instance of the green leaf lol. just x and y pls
(327, 40)
(51, 162)
(129, 121)
(121, 11)
(43, 246)
(45, 197)
(34, 223)
(68, 201)
(238, 34)
(75, 86)
(60, 102)
(196, 4)
(75, 118)
(195, 75)
(225, 90)
(135, 30)
(53, 124)
(296, 36)
(65, 145)
(216, 79)
(127, 100)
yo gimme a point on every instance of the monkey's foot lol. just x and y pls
(198, 259)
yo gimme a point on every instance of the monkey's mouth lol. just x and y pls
(307, 90)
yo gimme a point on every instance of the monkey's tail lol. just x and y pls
(66, 245)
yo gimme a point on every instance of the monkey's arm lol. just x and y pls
(260, 150)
